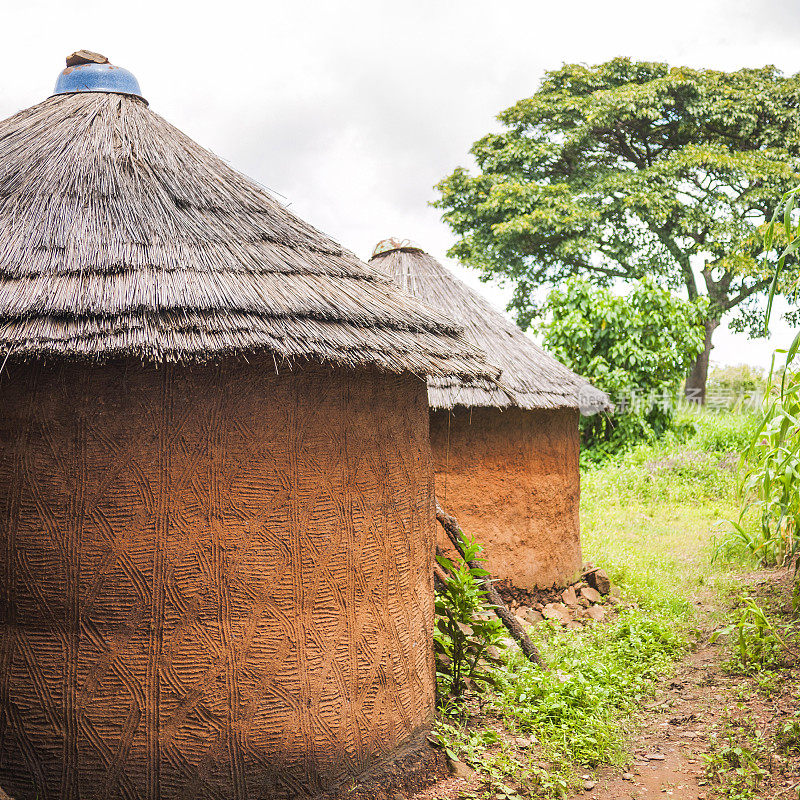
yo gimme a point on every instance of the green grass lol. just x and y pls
(597, 677)
(652, 518)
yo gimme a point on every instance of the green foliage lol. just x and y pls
(466, 634)
(787, 233)
(599, 676)
(788, 735)
(636, 348)
(736, 387)
(735, 761)
(719, 432)
(770, 483)
(492, 756)
(573, 713)
(695, 461)
(757, 643)
(627, 169)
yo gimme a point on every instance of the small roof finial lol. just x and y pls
(395, 243)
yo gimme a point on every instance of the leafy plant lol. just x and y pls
(757, 642)
(788, 735)
(499, 765)
(637, 348)
(596, 678)
(735, 760)
(770, 483)
(467, 636)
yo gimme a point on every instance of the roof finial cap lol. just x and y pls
(91, 72)
(394, 243)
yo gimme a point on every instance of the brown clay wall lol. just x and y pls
(214, 581)
(511, 479)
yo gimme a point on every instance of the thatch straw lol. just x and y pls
(531, 377)
(119, 235)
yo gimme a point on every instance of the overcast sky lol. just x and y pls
(352, 111)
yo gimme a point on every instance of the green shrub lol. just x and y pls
(637, 348)
(735, 386)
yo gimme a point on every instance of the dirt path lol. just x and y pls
(702, 710)
(668, 748)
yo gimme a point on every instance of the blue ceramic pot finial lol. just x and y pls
(90, 72)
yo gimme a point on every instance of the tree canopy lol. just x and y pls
(628, 169)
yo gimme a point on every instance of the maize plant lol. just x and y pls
(770, 481)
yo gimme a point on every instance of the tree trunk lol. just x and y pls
(698, 375)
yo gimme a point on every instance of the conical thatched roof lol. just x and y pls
(119, 235)
(535, 379)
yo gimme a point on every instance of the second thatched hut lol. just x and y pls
(506, 457)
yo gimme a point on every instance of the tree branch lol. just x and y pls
(759, 286)
(454, 533)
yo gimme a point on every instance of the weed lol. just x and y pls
(466, 635)
(734, 760)
(499, 765)
(788, 735)
(757, 643)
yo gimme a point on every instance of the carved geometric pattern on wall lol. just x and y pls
(214, 580)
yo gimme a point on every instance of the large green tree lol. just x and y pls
(629, 169)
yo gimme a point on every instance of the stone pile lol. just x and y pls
(589, 598)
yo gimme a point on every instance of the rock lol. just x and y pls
(522, 621)
(574, 625)
(655, 757)
(85, 57)
(461, 770)
(583, 602)
(534, 616)
(597, 613)
(569, 596)
(558, 612)
(523, 611)
(592, 595)
(598, 579)
(614, 600)
(589, 785)
(627, 776)
(537, 606)
(523, 742)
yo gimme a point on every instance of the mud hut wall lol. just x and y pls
(511, 477)
(214, 580)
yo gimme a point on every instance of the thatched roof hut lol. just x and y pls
(216, 488)
(506, 455)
